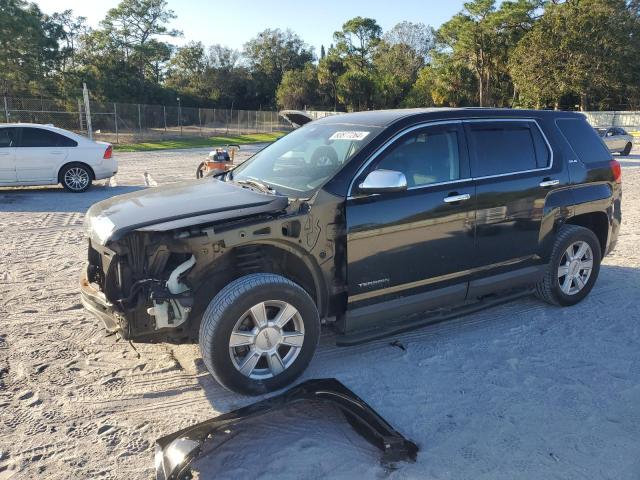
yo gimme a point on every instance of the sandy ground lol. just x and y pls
(523, 390)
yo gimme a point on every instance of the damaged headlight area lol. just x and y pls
(177, 453)
(138, 286)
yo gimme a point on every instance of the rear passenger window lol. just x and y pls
(584, 140)
(506, 147)
(39, 137)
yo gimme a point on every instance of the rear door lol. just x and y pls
(40, 154)
(415, 241)
(8, 154)
(513, 166)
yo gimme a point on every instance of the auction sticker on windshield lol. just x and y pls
(349, 135)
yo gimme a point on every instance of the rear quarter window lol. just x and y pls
(583, 140)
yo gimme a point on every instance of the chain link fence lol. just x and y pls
(134, 123)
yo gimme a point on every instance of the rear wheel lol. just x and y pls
(259, 333)
(573, 269)
(627, 149)
(76, 177)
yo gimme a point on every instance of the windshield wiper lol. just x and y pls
(263, 187)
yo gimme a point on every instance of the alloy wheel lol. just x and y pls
(575, 268)
(266, 339)
(76, 178)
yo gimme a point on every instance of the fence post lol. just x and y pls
(164, 115)
(200, 121)
(139, 121)
(214, 121)
(238, 121)
(115, 118)
(81, 128)
(6, 109)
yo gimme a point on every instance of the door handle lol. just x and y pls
(58, 152)
(457, 198)
(549, 183)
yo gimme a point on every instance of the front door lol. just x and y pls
(39, 155)
(8, 154)
(414, 242)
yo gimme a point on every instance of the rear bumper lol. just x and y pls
(95, 302)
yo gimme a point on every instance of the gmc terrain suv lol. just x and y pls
(372, 222)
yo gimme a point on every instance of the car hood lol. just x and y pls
(174, 206)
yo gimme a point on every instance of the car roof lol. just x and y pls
(384, 118)
(52, 128)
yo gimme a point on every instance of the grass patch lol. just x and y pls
(194, 142)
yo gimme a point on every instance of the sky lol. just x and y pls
(232, 23)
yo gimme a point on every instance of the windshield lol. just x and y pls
(300, 162)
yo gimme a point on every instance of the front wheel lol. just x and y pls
(259, 333)
(627, 149)
(573, 269)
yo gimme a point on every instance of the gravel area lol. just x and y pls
(523, 390)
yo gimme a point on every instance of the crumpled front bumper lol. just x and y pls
(94, 301)
(175, 453)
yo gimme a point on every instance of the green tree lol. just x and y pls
(330, 68)
(269, 55)
(589, 49)
(481, 38)
(299, 88)
(355, 89)
(396, 68)
(357, 40)
(29, 45)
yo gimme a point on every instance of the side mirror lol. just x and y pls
(380, 181)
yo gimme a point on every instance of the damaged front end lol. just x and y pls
(177, 452)
(138, 287)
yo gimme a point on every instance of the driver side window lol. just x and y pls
(426, 156)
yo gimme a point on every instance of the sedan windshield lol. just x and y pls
(302, 161)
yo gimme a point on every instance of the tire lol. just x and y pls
(76, 177)
(627, 150)
(550, 288)
(230, 311)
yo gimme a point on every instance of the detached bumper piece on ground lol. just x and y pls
(176, 452)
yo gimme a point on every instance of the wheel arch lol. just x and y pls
(68, 164)
(597, 222)
(265, 256)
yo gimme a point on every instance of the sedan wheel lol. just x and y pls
(76, 178)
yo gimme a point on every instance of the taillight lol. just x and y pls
(616, 169)
(108, 153)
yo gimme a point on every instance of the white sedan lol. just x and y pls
(32, 154)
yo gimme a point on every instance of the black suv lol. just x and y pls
(371, 222)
